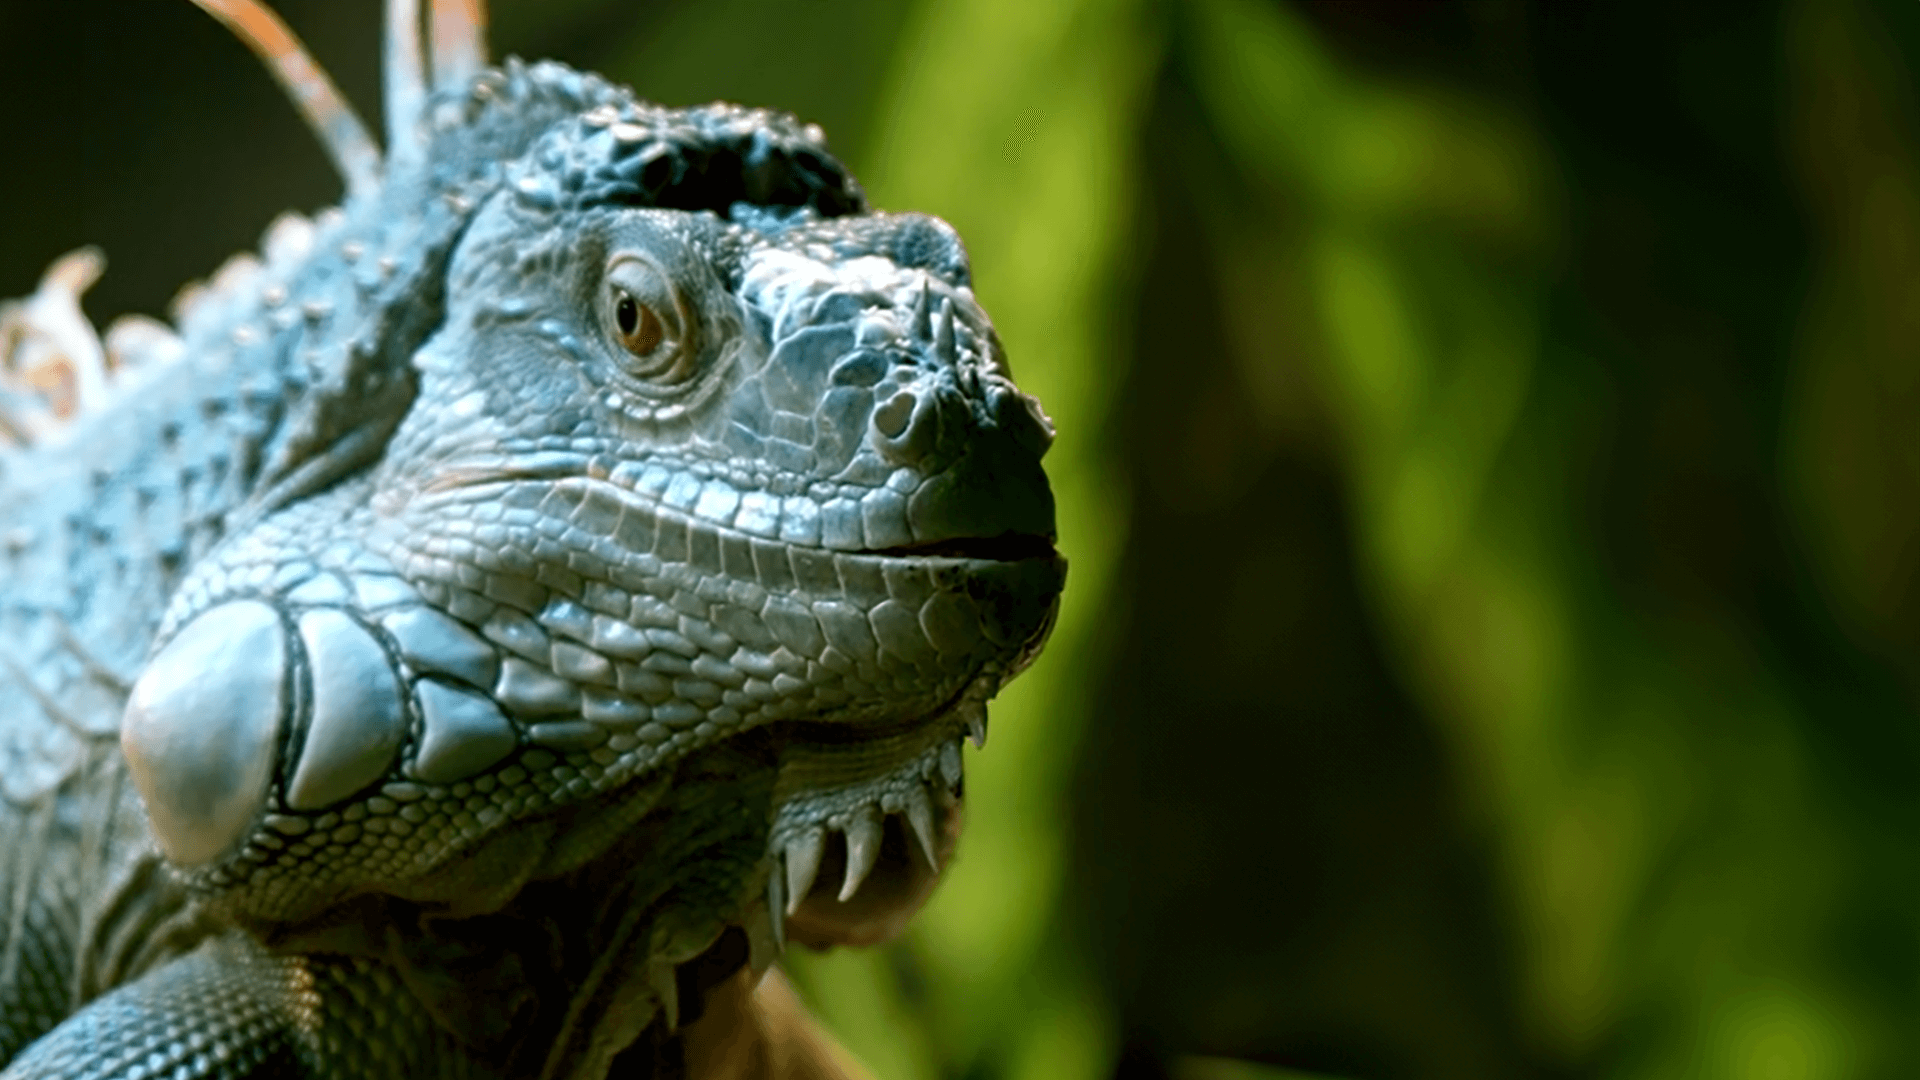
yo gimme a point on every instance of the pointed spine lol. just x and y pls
(459, 41)
(406, 79)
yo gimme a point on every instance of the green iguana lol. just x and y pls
(509, 607)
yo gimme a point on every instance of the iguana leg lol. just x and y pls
(233, 1011)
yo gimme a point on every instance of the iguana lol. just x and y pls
(507, 609)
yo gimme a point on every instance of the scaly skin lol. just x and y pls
(506, 596)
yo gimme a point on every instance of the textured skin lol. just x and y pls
(491, 688)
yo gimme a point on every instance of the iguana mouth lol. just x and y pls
(862, 828)
(474, 482)
(1008, 547)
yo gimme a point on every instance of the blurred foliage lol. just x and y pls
(1487, 461)
(1638, 550)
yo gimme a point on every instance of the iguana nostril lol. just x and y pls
(890, 419)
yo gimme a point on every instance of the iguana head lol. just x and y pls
(648, 510)
(700, 473)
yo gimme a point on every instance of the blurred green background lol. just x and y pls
(1489, 458)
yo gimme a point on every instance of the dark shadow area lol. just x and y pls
(1269, 856)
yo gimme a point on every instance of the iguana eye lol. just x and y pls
(644, 315)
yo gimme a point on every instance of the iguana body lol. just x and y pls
(504, 594)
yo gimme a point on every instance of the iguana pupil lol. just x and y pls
(629, 314)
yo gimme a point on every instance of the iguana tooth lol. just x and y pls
(919, 814)
(202, 726)
(803, 864)
(358, 720)
(863, 849)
